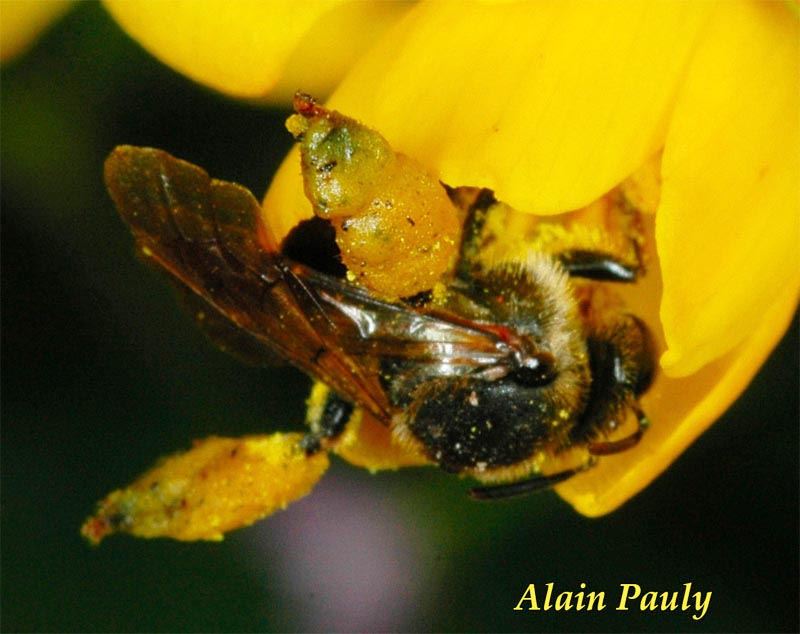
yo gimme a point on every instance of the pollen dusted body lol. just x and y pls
(574, 380)
(435, 347)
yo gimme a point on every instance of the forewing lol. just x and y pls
(225, 334)
(204, 233)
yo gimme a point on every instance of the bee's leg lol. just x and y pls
(523, 487)
(327, 421)
(473, 203)
(595, 265)
(623, 444)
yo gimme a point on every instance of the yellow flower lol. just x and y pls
(551, 105)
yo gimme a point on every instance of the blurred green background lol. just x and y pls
(102, 373)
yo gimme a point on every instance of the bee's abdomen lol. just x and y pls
(480, 424)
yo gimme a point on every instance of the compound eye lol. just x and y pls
(535, 370)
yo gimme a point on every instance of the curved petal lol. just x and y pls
(285, 203)
(549, 104)
(728, 226)
(23, 21)
(250, 48)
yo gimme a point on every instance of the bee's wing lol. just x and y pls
(225, 334)
(205, 233)
(370, 328)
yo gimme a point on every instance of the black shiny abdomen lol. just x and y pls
(481, 424)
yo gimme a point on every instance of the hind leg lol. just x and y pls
(328, 415)
(531, 485)
(607, 448)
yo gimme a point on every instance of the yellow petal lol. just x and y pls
(22, 21)
(218, 485)
(285, 203)
(549, 104)
(728, 227)
(248, 48)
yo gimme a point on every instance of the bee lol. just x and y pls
(490, 373)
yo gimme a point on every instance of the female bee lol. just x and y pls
(490, 372)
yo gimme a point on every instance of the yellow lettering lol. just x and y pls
(592, 596)
(649, 601)
(626, 588)
(701, 606)
(600, 597)
(687, 589)
(564, 601)
(579, 606)
(529, 595)
(667, 603)
(548, 596)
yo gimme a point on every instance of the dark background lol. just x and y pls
(102, 373)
